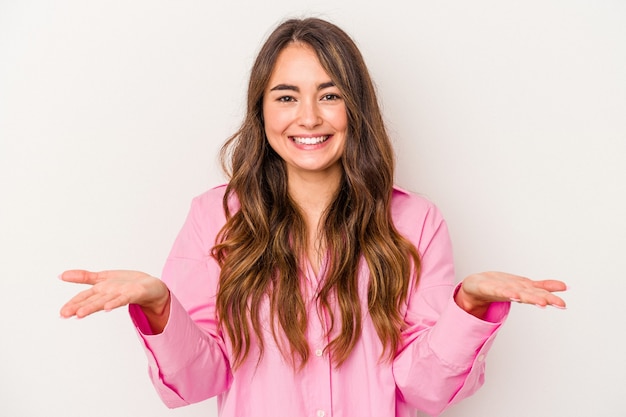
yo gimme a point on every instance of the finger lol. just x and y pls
(69, 308)
(551, 285)
(556, 301)
(67, 311)
(101, 296)
(540, 299)
(93, 304)
(119, 301)
(80, 276)
(93, 296)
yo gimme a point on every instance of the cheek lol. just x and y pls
(276, 119)
(344, 121)
(338, 118)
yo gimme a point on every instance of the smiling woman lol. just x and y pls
(310, 284)
(305, 124)
(305, 118)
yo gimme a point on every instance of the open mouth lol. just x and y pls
(310, 141)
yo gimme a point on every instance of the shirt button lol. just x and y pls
(320, 413)
(481, 358)
(319, 352)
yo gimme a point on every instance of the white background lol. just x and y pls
(509, 115)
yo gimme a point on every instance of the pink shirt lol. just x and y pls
(440, 362)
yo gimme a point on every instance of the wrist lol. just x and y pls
(157, 308)
(157, 314)
(471, 305)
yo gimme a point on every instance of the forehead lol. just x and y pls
(298, 61)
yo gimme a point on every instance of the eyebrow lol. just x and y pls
(281, 87)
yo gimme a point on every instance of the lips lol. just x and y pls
(310, 140)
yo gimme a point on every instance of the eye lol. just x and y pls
(285, 99)
(331, 97)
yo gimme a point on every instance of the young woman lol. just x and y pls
(310, 285)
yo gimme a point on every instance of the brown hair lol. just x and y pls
(259, 248)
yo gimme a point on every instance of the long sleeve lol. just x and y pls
(442, 357)
(188, 362)
(440, 360)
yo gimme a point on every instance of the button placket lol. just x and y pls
(320, 401)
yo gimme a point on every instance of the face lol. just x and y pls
(304, 113)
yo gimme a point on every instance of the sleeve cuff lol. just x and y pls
(165, 345)
(458, 336)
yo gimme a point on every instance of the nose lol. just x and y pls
(308, 114)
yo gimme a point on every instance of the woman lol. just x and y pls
(310, 285)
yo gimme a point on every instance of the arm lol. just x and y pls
(449, 330)
(188, 360)
(442, 356)
(185, 349)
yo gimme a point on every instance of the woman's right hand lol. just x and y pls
(113, 289)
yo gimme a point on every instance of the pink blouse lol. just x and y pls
(441, 359)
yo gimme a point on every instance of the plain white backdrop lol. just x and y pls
(509, 115)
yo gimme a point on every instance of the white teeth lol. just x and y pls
(310, 141)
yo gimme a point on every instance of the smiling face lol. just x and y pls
(304, 114)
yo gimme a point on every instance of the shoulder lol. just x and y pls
(210, 198)
(207, 209)
(413, 214)
(410, 204)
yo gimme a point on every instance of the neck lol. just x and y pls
(313, 193)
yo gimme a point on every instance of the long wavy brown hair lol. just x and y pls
(262, 245)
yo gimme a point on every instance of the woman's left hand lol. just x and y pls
(479, 290)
